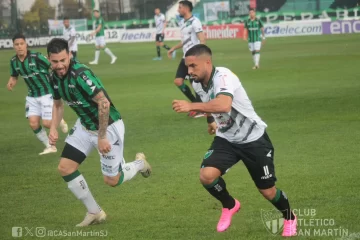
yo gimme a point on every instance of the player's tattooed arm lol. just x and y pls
(104, 111)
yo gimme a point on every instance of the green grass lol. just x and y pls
(307, 91)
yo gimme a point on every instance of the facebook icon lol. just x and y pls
(17, 231)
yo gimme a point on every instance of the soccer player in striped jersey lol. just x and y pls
(254, 29)
(240, 135)
(99, 126)
(33, 67)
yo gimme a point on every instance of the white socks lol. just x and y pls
(97, 55)
(131, 169)
(42, 136)
(257, 59)
(80, 189)
(108, 52)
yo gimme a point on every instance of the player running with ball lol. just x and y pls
(253, 29)
(33, 67)
(240, 134)
(99, 126)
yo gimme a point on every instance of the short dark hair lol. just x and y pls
(96, 10)
(252, 9)
(18, 36)
(198, 50)
(57, 45)
(187, 4)
(66, 18)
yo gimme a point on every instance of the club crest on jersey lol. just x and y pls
(212, 95)
(208, 154)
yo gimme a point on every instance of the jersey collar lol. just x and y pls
(185, 20)
(210, 83)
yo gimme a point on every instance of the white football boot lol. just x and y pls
(93, 62)
(146, 171)
(63, 126)
(91, 218)
(47, 150)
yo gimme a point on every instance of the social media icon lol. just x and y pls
(40, 232)
(16, 231)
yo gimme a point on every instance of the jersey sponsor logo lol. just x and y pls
(208, 154)
(74, 103)
(56, 87)
(71, 86)
(108, 157)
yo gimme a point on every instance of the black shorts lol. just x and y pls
(159, 37)
(258, 157)
(182, 70)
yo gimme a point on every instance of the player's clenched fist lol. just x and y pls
(212, 128)
(181, 106)
(53, 136)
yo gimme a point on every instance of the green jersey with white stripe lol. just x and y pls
(77, 89)
(254, 30)
(35, 72)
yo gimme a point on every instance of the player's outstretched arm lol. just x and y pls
(177, 46)
(57, 115)
(221, 104)
(11, 83)
(245, 34)
(104, 111)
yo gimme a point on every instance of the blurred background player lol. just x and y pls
(191, 34)
(69, 34)
(34, 68)
(160, 22)
(253, 29)
(99, 126)
(100, 39)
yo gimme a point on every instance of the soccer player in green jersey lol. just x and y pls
(253, 29)
(33, 67)
(99, 126)
(100, 39)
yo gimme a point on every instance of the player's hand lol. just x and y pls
(245, 39)
(10, 86)
(263, 42)
(104, 146)
(212, 128)
(53, 136)
(92, 34)
(181, 106)
(170, 52)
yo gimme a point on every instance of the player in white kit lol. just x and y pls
(69, 34)
(240, 135)
(160, 24)
(191, 34)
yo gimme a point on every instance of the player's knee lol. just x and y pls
(46, 123)
(208, 175)
(34, 124)
(65, 170)
(178, 82)
(269, 193)
(111, 181)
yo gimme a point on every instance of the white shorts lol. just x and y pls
(85, 141)
(100, 41)
(39, 106)
(256, 46)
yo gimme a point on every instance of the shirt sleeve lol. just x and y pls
(73, 32)
(44, 63)
(261, 24)
(163, 18)
(224, 84)
(89, 83)
(55, 89)
(196, 24)
(13, 72)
